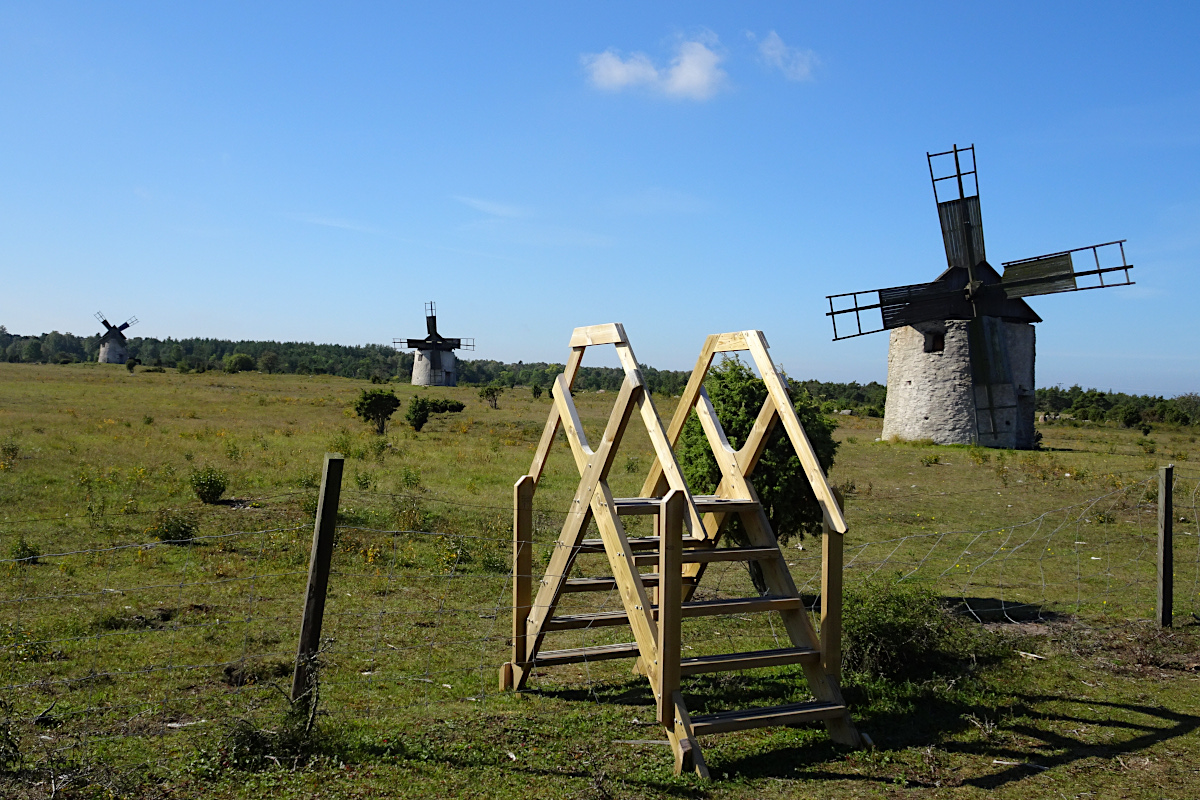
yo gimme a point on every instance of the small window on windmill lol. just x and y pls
(934, 342)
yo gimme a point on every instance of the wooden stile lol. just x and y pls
(688, 532)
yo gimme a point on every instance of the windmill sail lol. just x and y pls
(1053, 273)
(958, 208)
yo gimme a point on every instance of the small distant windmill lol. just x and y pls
(435, 364)
(112, 342)
(960, 360)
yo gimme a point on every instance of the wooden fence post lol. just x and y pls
(670, 598)
(831, 597)
(1166, 549)
(318, 571)
(522, 579)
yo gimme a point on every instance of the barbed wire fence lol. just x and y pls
(141, 652)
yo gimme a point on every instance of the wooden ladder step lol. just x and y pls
(704, 502)
(766, 717)
(608, 583)
(704, 556)
(755, 659)
(702, 608)
(640, 543)
(575, 655)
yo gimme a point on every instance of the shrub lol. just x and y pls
(900, 630)
(536, 389)
(491, 395)
(238, 362)
(174, 525)
(23, 551)
(9, 450)
(377, 406)
(418, 412)
(441, 406)
(209, 484)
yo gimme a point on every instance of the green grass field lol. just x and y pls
(126, 661)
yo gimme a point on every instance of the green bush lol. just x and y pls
(239, 362)
(209, 484)
(174, 525)
(900, 630)
(23, 551)
(377, 406)
(418, 412)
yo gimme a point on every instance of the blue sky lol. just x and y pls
(318, 171)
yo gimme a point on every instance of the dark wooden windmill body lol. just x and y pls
(435, 363)
(962, 350)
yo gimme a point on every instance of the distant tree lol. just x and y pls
(268, 362)
(377, 406)
(32, 351)
(238, 362)
(788, 500)
(491, 395)
(537, 391)
(130, 364)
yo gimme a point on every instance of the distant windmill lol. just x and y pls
(960, 360)
(435, 364)
(112, 343)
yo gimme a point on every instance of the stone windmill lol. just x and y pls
(112, 342)
(435, 364)
(961, 356)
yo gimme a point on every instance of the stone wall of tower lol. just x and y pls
(929, 392)
(112, 351)
(435, 368)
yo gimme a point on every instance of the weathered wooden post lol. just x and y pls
(522, 579)
(318, 572)
(1166, 548)
(831, 597)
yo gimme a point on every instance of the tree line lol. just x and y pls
(382, 363)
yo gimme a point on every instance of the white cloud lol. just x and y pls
(695, 72)
(492, 208)
(795, 64)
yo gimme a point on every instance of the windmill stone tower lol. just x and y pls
(961, 355)
(112, 342)
(435, 364)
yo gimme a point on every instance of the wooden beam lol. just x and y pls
(795, 431)
(670, 595)
(611, 333)
(831, 599)
(569, 373)
(655, 485)
(522, 577)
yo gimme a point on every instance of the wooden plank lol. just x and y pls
(579, 655)
(683, 742)
(795, 431)
(592, 476)
(730, 342)
(707, 555)
(522, 570)
(319, 558)
(572, 425)
(655, 485)
(610, 333)
(766, 717)
(1166, 546)
(831, 599)
(757, 659)
(646, 506)
(670, 595)
(570, 371)
(701, 608)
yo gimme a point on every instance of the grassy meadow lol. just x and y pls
(132, 666)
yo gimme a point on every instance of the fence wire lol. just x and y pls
(127, 648)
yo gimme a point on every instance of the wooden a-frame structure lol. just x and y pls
(688, 530)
